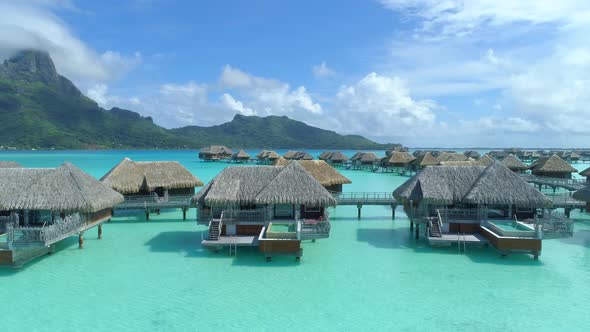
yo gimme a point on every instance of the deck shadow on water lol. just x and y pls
(580, 238)
(402, 238)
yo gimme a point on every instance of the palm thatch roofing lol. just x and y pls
(65, 188)
(319, 169)
(290, 155)
(240, 155)
(472, 154)
(513, 163)
(217, 150)
(582, 194)
(553, 164)
(470, 162)
(357, 156)
(261, 154)
(490, 185)
(10, 164)
(451, 156)
(297, 155)
(130, 177)
(325, 155)
(486, 160)
(290, 184)
(266, 154)
(573, 155)
(401, 158)
(369, 157)
(585, 172)
(338, 157)
(427, 159)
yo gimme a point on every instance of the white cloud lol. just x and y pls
(267, 95)
(379, 105)
(228, 101)
(32, 25)
(322, 70)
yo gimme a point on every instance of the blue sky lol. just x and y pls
(451, 73)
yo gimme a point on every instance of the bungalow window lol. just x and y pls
(311, 209)
(284, 211)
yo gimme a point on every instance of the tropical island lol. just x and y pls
(41, 109)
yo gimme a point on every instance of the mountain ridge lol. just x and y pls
(39, 108)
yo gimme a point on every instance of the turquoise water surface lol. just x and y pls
(371, 274)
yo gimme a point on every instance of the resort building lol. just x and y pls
(586, 173)
(553, 167)
(240, 157)
(297, 155)
(325, 156)
(397, 159)
(327, 176)
(485, 160)
(452, 156)
(514, 164)
(215, 153)
(337, 159)
(273, 208)
(472, 154)
(152, 185)
(42, 206)
(424, 160)
(584, 196)
(362, 160)
(480, 205)
(266, 157)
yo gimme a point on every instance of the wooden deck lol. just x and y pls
(239, 241)
(448, 239)
(364, 198)
(569, 184)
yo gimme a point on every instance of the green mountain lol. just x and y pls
(41, 109)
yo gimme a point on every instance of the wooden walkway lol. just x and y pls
(364, 198)
(238, 241)
(447, 239)
(569, 184)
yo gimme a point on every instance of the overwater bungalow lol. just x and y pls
(337, 159)
(273, 208)
(514, 164)
(267, 157)
(425, 160)
(396, 149)
(584, 196)
(485, 160)
(328, 177)
(398, 159)
(10, 164)
(480, 205)
(586, 173)
(573, 157)
(553, 167)
(472, 154)
(42, 206)
(326, 155)
(452, 156)
(152, 185)
(215, 153)
(297, 155)
(364, 160)
(240, 157)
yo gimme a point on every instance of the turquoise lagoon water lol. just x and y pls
(369, 275)
(510, 226)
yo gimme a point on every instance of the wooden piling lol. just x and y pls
(393, 211)
(359, 207)
(100, 232)
(417, 231)
(411, 226)
(81, 240)
(183, 213)
(147, 215)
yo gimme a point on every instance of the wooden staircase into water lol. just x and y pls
(214, 230)
(435, 230)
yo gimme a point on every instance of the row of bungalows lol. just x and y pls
(398, 162)
(325, 174)
(480, 204)
(152, 185)
(273, 208)
(240, 157)
(364, 160)
(42, 206)
(215, 153)
(267, 157)
(335, 159)
(297, 155)
(552, 166)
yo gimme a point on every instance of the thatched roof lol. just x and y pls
(451, 156)
(217, 150)
(129, 177)
(553, 164)
(396, 157)
(297, 155)
(369, 157)
(491, 185)
(270, 155)
(290, 184)
(290, 154)
(585, 172)
(574, 155)
(241, 155)
(485, 160)
(10, 164)
(65, 188)
(325, 155)
(427, 159)
(472, 154)
(357, 156)
(513, 163)
(582, 194)
(338, 157)
(319, 169)
(262, 154)
(470, 162)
